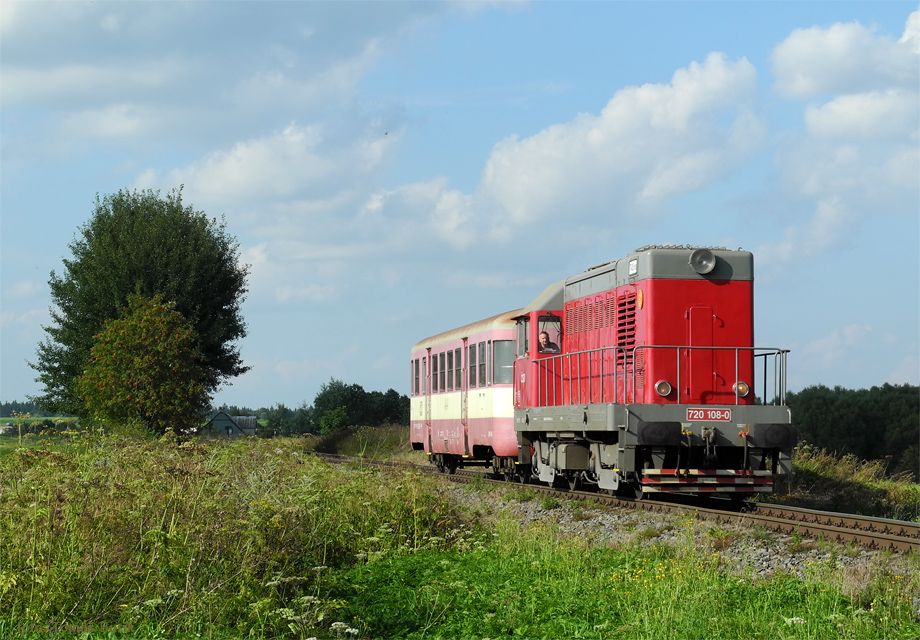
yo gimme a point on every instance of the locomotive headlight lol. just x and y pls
(663, 388)
(741, 388)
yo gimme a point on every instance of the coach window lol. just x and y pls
(471, 363)
(502, 362)
(552, 325)
(482, 364)
(434, 373)
(441, 371)
(450, 370)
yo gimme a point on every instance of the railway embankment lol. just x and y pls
(743, 551)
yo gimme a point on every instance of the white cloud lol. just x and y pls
(911, 35)
(114, 121)
(308, 293)
(831, 221)
(844, 58)
(337, 82)
(501, 280)
(28, 321)
(24, 289)
(111, 22)
(649, 143)
(89, 83)
(907, 371)
(8, 12)
(294, 162)
(860, 153)
(890, 115)
(836, 347)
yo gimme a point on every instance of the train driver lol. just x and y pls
(545, 345)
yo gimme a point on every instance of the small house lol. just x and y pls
(222, 425)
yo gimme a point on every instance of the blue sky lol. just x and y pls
(392, 170)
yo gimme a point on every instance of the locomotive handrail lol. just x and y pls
(573, 390)
(779, 378)
(624, 370)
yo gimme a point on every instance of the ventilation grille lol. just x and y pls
(626, 326)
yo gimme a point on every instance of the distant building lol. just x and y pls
(221, 425)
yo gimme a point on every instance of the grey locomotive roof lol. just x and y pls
(659, 261)
(551, 298)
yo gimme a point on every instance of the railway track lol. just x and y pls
(870, 532)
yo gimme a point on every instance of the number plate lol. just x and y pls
(717, 415)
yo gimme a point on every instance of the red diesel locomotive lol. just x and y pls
(637, 375)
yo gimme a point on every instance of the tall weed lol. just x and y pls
(117, 533)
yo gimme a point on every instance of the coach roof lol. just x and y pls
(503, 320)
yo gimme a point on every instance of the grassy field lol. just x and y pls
(112, 537)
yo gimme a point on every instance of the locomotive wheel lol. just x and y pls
(522, 474)
(636, 491)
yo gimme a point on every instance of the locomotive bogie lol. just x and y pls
(654, 446)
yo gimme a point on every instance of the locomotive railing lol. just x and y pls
(611, 374)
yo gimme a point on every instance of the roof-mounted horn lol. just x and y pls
(702, 261)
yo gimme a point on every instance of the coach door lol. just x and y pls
(426, 374)
(700, 359)
(464, 386)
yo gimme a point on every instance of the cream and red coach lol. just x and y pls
(652, 387)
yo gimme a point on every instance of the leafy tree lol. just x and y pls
(145, 368)
(333, 420)
(140, 242)
(302, 420)
(335, 395)
(350, 404)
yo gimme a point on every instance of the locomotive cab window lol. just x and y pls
(549, 336)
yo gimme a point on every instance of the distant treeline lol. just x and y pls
(878, 423)
(336, 405)
(7, 409)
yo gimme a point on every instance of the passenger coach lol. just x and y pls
(637, 374)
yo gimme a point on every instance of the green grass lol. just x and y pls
(219, 538)
(532, 583)
(377, 443)
(117, 537)
(846, 483)
(10, 443)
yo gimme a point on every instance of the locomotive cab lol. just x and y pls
(538, 336)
